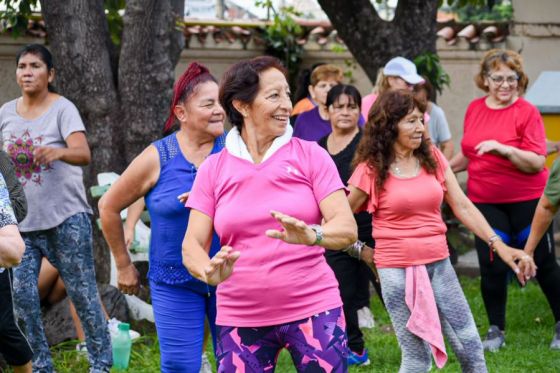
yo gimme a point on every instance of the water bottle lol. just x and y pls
(121, 347)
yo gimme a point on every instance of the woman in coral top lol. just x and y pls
(402, 181)
(503, 150)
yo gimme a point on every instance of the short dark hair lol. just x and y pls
(344, 89)
(241, 82)
(40, 51)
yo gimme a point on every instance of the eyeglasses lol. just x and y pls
(499, 79)
(339, 108)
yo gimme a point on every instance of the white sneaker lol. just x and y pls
(81, 348)
(113, 325)
(365, 318)
(205, 367)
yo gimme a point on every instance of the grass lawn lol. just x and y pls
(529, 332)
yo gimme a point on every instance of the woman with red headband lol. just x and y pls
(161, 173)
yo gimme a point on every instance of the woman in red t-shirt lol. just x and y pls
(503, 150)
(402, 180)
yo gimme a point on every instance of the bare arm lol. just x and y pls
(459, 162)
(544, 213)
(195, 251)
(339, 226)
(524, 160)
(447, 148)
(132, 216)
(76, 152)
(473, 219)
(140, 176)
(11, 246)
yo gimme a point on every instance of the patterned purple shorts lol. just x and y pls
(317, 344)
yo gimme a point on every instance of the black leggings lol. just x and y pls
(512, 222)
(13, 344)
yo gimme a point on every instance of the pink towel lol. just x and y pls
(424, 317)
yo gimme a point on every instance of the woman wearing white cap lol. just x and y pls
(398, 73)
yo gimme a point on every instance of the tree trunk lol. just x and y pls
(123, 104)
(373, 41)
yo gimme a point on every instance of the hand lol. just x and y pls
(518, 260)
(367, 257)
(128, 236)
(44, 155)
(183, 197)
(128, 279)
(221, 265)
(295, 230)
(493, 147)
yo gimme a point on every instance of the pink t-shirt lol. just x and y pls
(273, 282)
(407, 224)
(492, 178)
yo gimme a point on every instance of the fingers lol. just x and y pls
(288, 221)
(183, 197)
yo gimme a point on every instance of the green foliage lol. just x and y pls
(429, 65)
(480, 10)
(281, 35)
(113, 11)
(17, 14)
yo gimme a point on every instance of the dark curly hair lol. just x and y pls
(381, 132)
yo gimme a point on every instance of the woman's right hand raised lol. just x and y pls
(522, 264)
(221, 265)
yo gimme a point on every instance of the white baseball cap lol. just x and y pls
(403, 68)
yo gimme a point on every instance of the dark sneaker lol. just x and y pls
(555, 344)
(359, 360)
(494, 339)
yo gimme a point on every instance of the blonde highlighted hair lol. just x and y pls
(325, 72)
(492, 61)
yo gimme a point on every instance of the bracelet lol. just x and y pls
(355, 250)
(492, 240)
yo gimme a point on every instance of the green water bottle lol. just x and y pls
(121, 347)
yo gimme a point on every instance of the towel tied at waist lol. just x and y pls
(424, 319)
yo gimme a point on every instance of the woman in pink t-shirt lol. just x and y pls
(503, 150)
(402, 181)
(275, 289)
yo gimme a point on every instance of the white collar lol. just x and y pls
(237, 147)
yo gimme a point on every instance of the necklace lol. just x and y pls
(399, 172)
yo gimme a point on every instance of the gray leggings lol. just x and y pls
(455, 315)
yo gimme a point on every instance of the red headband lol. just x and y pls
(195, 69)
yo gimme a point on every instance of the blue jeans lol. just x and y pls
(179, 311)
(69, 248)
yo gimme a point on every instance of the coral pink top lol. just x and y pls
(273, 282)
(407, 224)
(492, 178)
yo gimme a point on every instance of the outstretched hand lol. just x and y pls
(221, 265)
(294, 231)
(522, 264)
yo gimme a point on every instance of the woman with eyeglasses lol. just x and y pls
(503, 150)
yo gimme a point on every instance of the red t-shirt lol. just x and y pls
(492, 178)
(407, 224)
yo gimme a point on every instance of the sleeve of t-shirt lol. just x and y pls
(534, 138)
(323, 173)
(7, 216)
(441, 130)
(364, 179)
(69, 120)
(552, 189)
(442, 165)
(202, 196)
